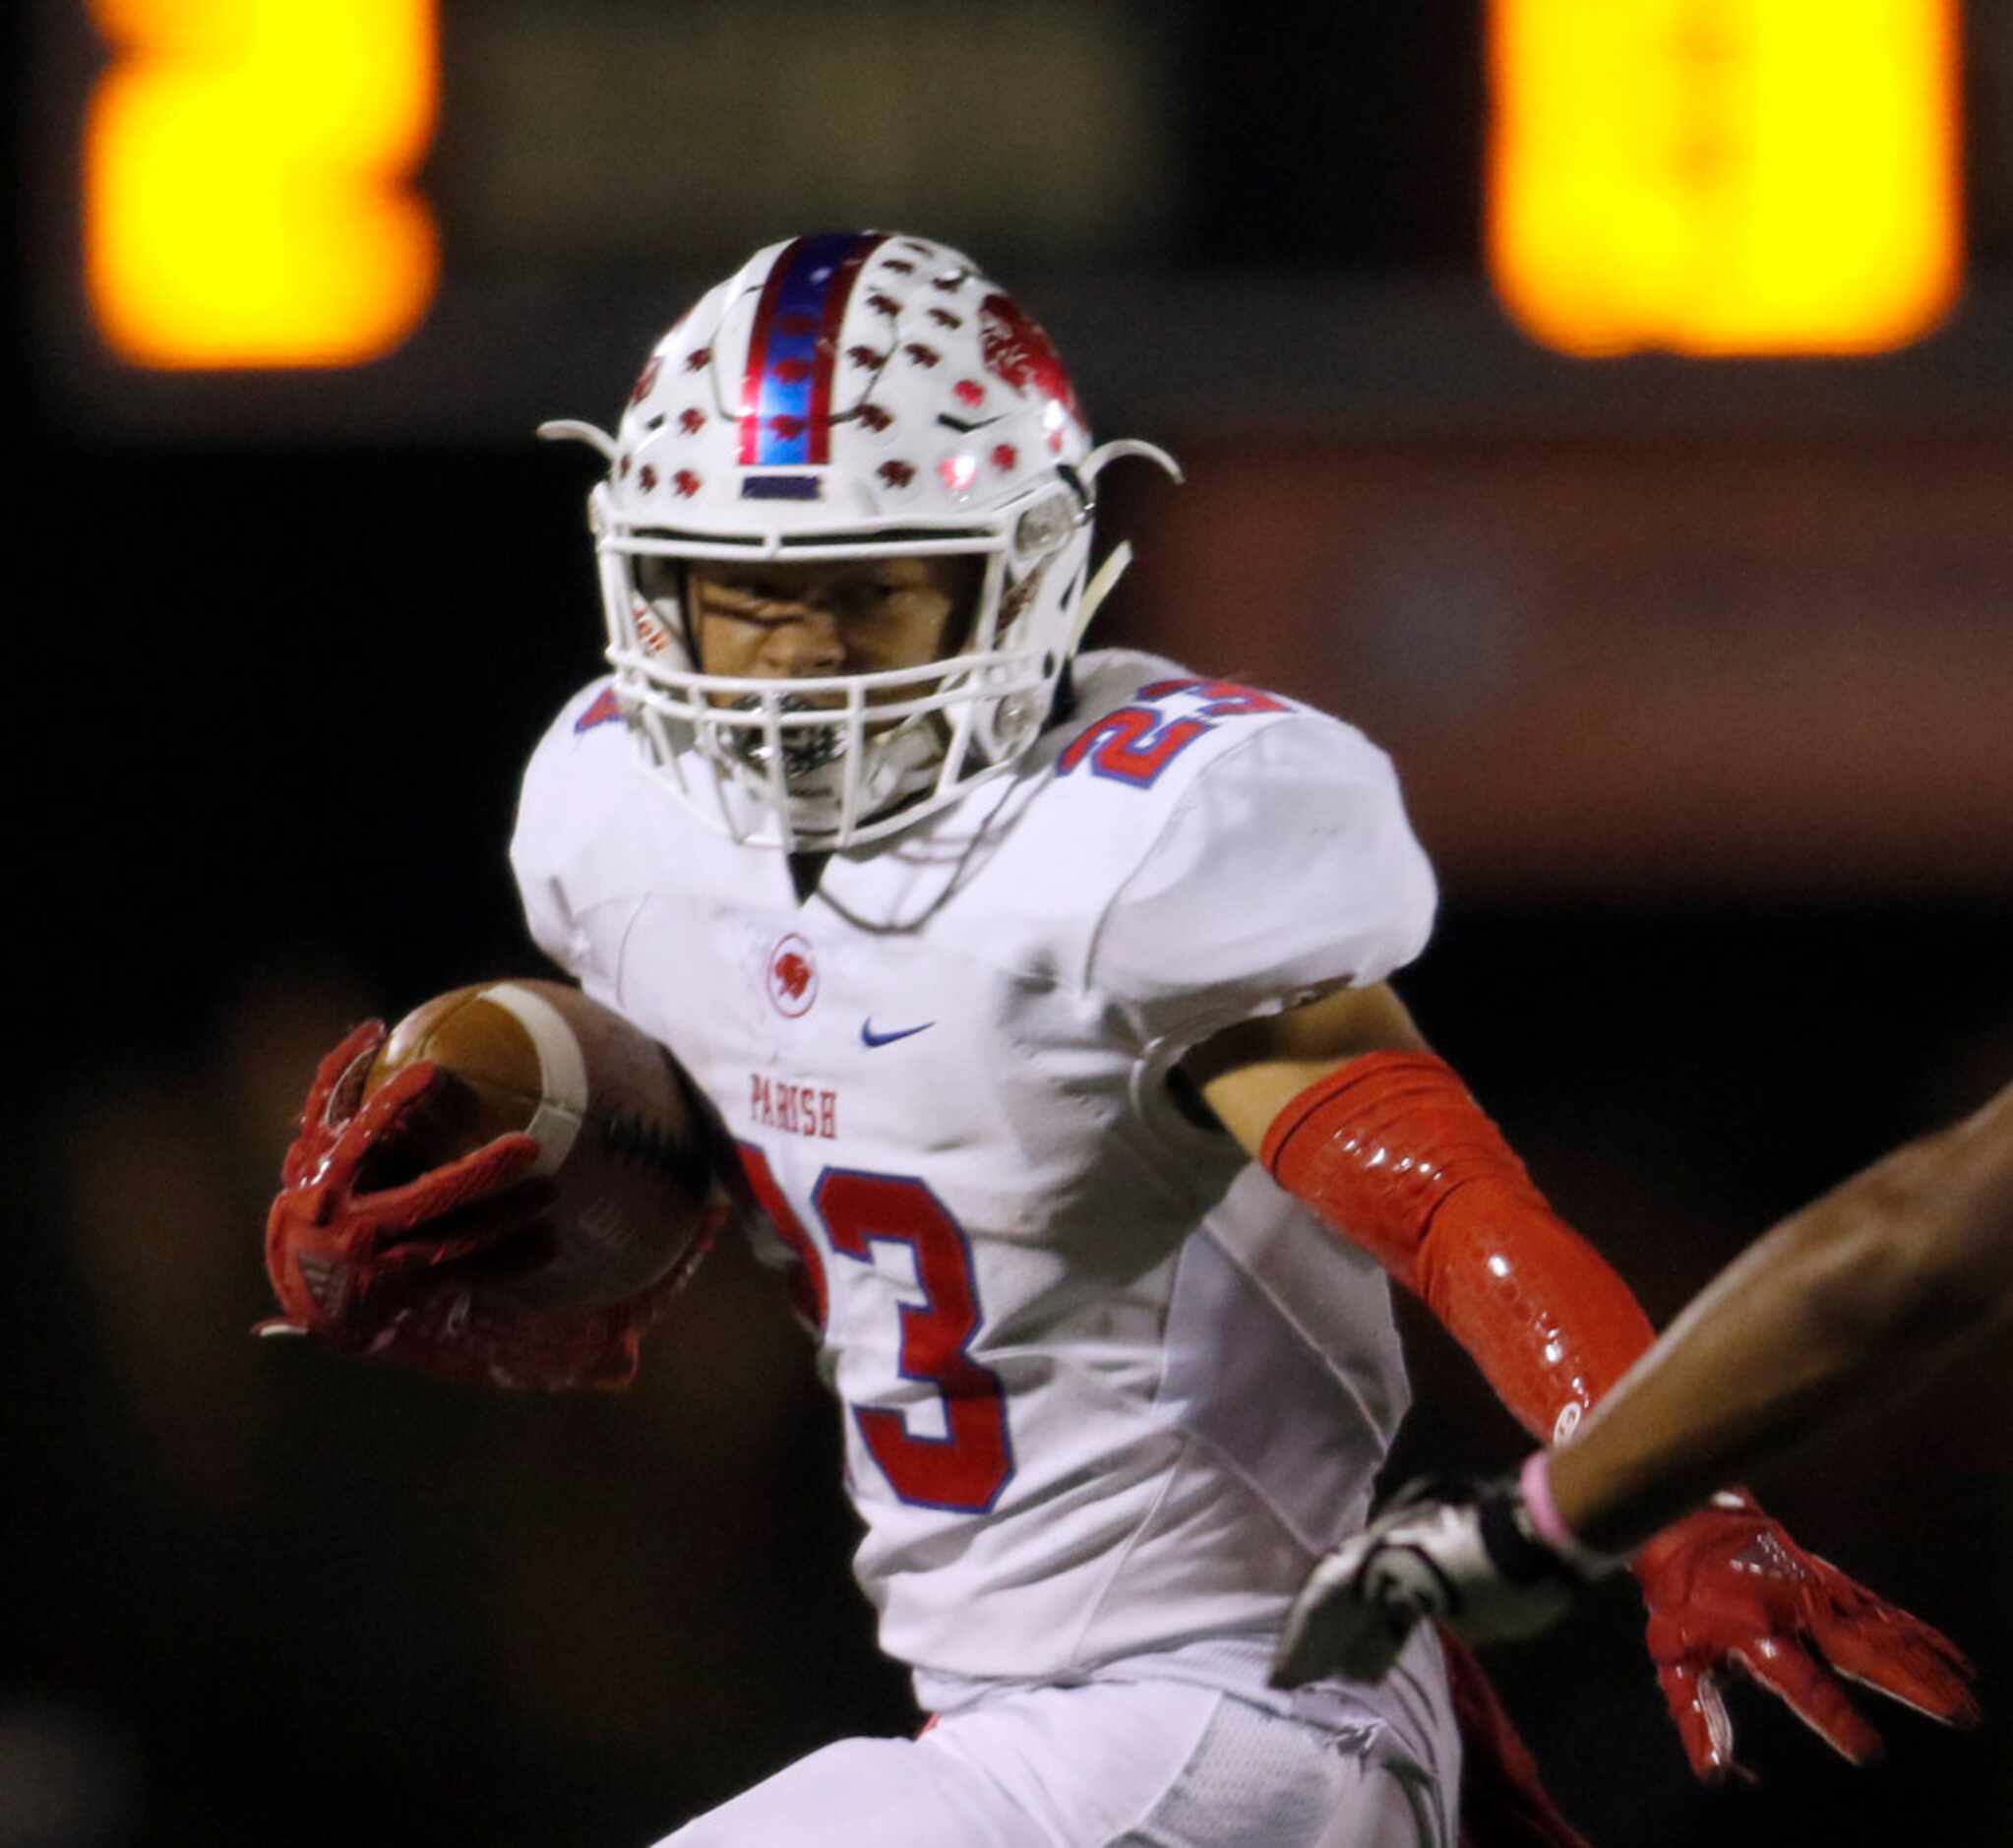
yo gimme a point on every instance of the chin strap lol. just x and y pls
(1394, 1155)
(1101, 586)
(1108, 574)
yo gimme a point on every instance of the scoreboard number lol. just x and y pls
(1725, 176)
(248, 168)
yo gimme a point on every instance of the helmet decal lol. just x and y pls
(786, 389)
(1017, 351)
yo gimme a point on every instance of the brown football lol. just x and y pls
(620, 1126)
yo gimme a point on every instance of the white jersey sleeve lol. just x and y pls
(1286, 868)
(553, 848)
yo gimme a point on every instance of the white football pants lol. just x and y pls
(1122, 1765)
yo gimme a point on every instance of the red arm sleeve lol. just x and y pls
(1394, 1155)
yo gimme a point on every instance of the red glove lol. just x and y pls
(1729, 1586)
(397, 1273)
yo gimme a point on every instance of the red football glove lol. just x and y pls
(1727, 1586)
(396, 1273)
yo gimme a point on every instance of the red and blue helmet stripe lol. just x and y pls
(793, 349)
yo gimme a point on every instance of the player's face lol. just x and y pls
(845, 616)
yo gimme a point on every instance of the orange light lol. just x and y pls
(1725, 176)
(244, 169)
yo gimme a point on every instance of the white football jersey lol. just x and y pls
(1107, 1388)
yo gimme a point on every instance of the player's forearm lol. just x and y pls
(1391, 1151)
(1865, 1291)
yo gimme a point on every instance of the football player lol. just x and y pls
(1045, 996)
(1891, 1276)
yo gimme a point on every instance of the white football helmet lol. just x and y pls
(844, 395)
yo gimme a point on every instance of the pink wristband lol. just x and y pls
(1534, 1482)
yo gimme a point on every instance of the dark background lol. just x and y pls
(1698, 678)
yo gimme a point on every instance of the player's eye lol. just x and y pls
(894, 592)
(739, 599)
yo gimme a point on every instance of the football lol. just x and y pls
(625, 1136)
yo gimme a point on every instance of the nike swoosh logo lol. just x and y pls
(868, 1036)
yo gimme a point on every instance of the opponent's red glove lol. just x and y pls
(397, 1273)
(1727, 1587)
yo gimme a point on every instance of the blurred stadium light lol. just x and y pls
(246, 197)
(1716, 176)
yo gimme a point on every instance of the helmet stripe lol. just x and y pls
(793, 349)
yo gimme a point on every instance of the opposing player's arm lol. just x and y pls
(1890, 1275)
(1873, 1287)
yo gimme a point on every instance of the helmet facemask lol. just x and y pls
(842, 756)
